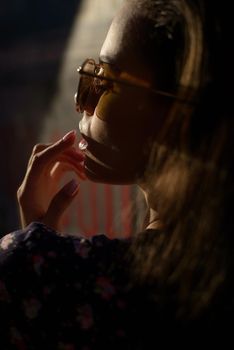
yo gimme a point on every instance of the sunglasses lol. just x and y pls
(93, 83)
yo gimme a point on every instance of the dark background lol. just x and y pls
(42, 42)
(33, 36)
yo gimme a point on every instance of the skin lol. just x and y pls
(119, 131)
(117, 128)
(47, 166)
(120, 128)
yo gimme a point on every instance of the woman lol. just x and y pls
(156, 112)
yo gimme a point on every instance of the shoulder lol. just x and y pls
(38, 255)
(38, 249)
(38, 236)
(34, 232)
(70, 282)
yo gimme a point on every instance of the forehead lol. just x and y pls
(123, 45)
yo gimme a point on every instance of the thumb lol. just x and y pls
(60, 203)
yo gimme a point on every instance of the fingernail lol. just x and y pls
(71, 188)
(69, 135)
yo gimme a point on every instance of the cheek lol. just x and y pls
(127, 115)
(123, 103)
(110, 107)
(121, 130)
(119, 146)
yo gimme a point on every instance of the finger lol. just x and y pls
(42, 146)
(72, 151)
(70, 156)
(54, 171)
(58, 147)
(74, 158)
(70, 161)
(38, 154)
(62, 167)
(36, 149)
(60, 203)
(41, 161)
(78, 155)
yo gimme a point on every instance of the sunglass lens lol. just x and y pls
(87, 95)
(83, 91)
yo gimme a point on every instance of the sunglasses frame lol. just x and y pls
(141, 85)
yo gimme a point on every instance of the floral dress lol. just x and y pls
(70, 293)
(62, 292)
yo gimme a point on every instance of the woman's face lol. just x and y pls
(119, 128)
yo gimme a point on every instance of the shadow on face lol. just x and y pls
(121, 125)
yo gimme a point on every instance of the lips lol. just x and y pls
(101, 154)
(98, 152)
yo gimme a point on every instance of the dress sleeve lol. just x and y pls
(41, 274)
(59, 292)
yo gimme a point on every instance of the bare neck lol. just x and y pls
(152, 220)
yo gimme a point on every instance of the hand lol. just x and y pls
(39, 196)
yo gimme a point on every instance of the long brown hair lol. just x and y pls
(191, 163)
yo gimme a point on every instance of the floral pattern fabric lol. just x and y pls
(69, 293)
(62, 292)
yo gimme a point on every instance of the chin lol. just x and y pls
(98, 173)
